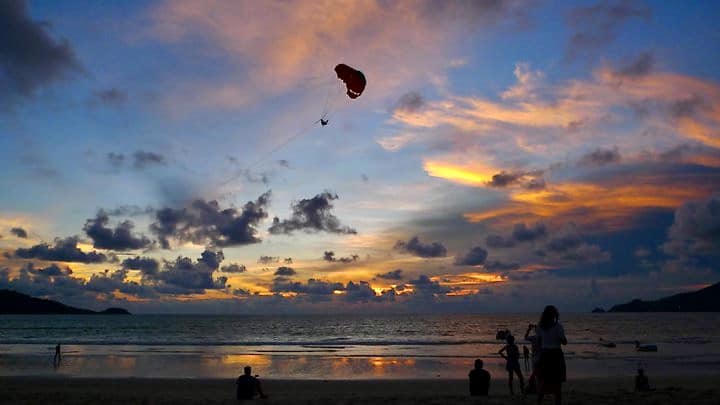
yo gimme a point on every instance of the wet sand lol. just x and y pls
(43, 390)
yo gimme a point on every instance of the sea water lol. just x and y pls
(344, 347)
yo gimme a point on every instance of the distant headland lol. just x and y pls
(13, 302)
(704, 300)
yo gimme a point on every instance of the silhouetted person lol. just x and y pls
(641, 381)
(248, 386)
(511, 353)
(58, 356)
(535, 356)
(551, 369)
(479, 380)
(526, 357)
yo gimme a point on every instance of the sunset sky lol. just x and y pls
(165, 156)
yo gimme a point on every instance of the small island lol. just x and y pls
(704, 300)
(15, 303)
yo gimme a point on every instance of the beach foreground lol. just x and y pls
(36, 390)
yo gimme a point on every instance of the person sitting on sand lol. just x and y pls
(642, 384)
(511, 354)
(248, 386)
(479, 380)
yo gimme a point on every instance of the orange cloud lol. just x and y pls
(584, 203)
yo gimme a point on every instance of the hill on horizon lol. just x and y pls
(704, 300)
(15, 303)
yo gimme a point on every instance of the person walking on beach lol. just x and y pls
(248, 386)
(526, 357)
(551, 369)
(511, 353)
(479, 380)
(58, 357)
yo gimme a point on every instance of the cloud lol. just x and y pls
(143, 159)
(268, 259)
(597, 25)
(312, 287)
(312, 215)
(140, 159)
(695, 229)
(182, 276)
(474, 257)
(285, 271)
(30, 58)
(528, 180)
(601, 157)
(523, 233)
(587, 253)
(409, 103)
(19, 232)
(498, 241)
(329, 256)
(641, 66)
(146, 265)
(424, 287)
(417, 248)
(129, 211)
(111, 97)
(405, 34)
(63, 250)
(391, 275)
(234, 268)
(204, 221)
(121, 238)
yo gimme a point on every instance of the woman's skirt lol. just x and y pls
(551, 368)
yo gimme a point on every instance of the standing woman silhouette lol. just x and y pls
(551, 368)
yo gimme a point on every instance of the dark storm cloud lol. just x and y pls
(19, 232)
(417, 248)
(312, 215)
(234, 268)
(520, 233)
(63, 250)
(639, 67)
(147, 265)
(523, 233)
(424, 286)
(695, 229)
(601, 157)
(143, 159)
(204, 222)
(587, 253)
(362, 292)
(529, 180)
(597, 25)
(49, 281)
(111, 97)
(129, 211)
(30, 58)
(474, 257)
(140, 159)
(687, 107)
(312, 287)
(498, 241)
(564, 243)
(390, 275)
(182, 276)
(409, 103)
(329, 256)
(285, 271)
(121, 238)
(116, 159)
(268, 259)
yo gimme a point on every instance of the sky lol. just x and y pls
(166, 156)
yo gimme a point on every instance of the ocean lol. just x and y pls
(344, 347)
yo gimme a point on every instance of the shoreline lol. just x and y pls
(62, 390)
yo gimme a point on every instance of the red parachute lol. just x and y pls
(353, 79)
